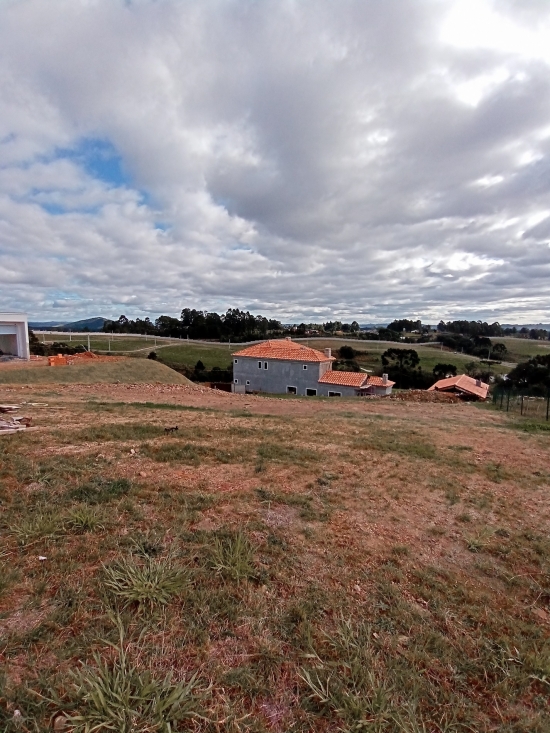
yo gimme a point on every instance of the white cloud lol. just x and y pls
(300, 159)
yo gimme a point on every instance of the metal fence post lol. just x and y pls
(547, 405)
(521, 407)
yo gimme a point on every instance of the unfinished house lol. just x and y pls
(286, 367)
(14, 335)
(354, 384)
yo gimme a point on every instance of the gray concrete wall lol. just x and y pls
(324, 390)
(278, 376)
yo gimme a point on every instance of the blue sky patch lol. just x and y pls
(99, 158)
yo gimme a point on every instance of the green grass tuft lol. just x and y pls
(232, 556)
(145, 584)
(101, 490)
(120, 696)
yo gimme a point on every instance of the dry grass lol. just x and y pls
(287, 567)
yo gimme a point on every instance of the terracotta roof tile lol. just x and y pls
(283, 349)
(344, 379)
(353, 379)
(462, 383)
(379, 382)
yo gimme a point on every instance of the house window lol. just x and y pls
(305, 366)
(259, 365)
(236, 381)
(236, 361)
(334, 394)
(265, 364)
(311, 392)
(291, 390)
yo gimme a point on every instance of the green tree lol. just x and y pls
(440, 371)
(400, 358)
(532, 375)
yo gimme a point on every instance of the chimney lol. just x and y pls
(288, 338)
(384, 378)
(478, 382)
(328, 353)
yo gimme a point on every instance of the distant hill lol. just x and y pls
(90, 324)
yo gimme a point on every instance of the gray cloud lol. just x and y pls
(299, 159)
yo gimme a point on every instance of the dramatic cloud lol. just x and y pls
(301, 158)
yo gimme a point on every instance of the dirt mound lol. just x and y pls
(421, 395)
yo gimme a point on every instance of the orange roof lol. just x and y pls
(283, 349)
(353, 379)
(345, 379)
(462, 383)
(379, 382)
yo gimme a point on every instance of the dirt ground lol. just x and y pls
(429, 519)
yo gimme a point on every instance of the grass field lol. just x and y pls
(179, 353)
(523, 349)
(189, 355)
(429, 355)
(127, 371)
(273, 566)
(100, 342)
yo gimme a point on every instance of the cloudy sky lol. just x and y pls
(304, 159)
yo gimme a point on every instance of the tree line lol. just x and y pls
(470, 337)
(234, 325)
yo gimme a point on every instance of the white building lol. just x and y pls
(14, 335)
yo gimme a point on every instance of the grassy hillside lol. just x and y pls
(327, 566)
(124, 371)
(100, 342)
(429, 355)
(189, 354)
(179, 353)
(523, 349)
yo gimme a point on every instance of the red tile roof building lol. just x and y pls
(284, 366)
(284, 349)
(462, 384)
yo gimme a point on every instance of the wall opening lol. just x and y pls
(8, 344)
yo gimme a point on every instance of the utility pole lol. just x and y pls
(88, 342)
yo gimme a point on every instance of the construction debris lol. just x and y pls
(10, 425)
(67, 360)
(9, 408)
(420, 395)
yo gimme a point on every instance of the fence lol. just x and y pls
(521, 403)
